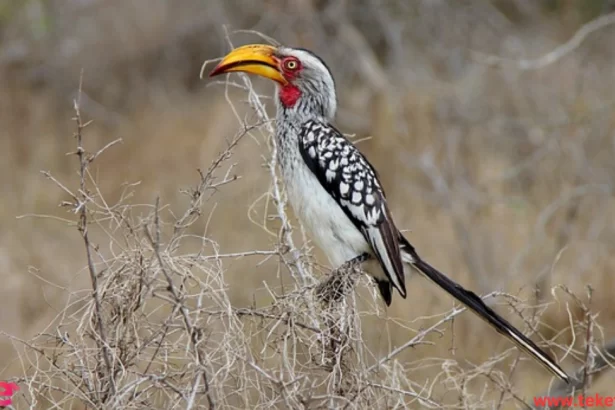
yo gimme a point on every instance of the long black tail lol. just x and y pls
(476, 305)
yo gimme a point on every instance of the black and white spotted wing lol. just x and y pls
(351, 180)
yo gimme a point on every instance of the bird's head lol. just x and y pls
(304, 81)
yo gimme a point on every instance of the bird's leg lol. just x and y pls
(341, 280)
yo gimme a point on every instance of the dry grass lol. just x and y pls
(205, 294)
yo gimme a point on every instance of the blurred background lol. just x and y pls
(503, 176)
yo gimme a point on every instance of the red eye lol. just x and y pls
(291, 64)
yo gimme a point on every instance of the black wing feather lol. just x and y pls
(353, 183)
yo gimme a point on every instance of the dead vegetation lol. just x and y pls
(157, 285)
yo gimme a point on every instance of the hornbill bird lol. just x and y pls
(335, 191)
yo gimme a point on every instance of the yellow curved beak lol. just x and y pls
(256, 59)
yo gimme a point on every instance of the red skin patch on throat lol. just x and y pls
(289, 95)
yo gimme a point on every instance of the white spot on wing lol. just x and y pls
(373, 216)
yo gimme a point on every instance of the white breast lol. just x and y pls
(327, 223)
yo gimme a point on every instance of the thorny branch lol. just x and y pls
(82, 209)
(195, 333)
(595, 361)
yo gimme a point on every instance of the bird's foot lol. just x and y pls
(341, 280)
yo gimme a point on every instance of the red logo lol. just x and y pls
(7, 390)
